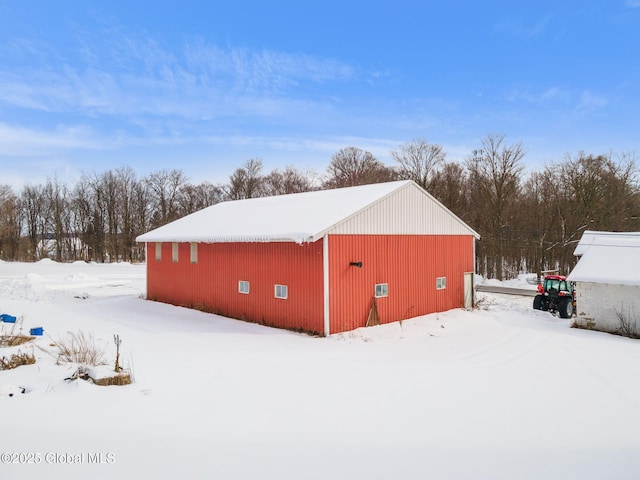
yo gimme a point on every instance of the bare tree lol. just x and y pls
(495, 174)
(83, 210)
(58, 218)
(603, 189)
(197, 197)
(10, 223)
(418, 159)
(449, 185)
(141, 214)
(126, 184)
(351, 166)
(108, 196)
(33, 211)
(587, 192)
(542, 209)
(290, 180)
(165, 187)
(531, 223)
(246, 181)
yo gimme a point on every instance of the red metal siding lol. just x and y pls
(212, 284)
(410, 265)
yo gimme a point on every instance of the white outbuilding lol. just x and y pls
(607, 280)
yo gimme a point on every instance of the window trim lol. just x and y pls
(441, 283)
(158, 251)
(193, 251)
(381, 290)
(283, 289)
(175, 252)
(242, 283)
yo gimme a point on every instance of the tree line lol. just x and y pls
(528, 221)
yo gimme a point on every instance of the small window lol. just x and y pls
(441, 283)
(281, 291)
(194, 252)
(243, 287)
(382, 290)
(174, 251)
(158, 251)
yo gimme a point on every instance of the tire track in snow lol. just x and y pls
(605, 365)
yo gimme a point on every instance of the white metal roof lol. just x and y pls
(608, 257)
(592, 237)
(306, 217)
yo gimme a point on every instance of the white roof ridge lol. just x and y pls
(311, 213)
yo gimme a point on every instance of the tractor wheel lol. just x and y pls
(537, 302)
(544, 304)
(565, 309)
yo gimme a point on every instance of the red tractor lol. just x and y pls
(556, 294)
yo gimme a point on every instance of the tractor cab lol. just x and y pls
(555, 294)
(555, 284)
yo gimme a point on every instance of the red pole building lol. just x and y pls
(317, 261)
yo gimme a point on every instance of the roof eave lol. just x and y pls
(299, 239)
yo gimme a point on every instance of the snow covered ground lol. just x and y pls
(502, 392)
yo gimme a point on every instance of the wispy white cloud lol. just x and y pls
(525, 28)
(557, 94)
(560, 97)
(30, 142)
(591, 101)
(18, 141)
(135, 76)
(241, 72)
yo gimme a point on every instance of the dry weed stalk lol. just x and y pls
(83, 373)
(80, 348)
(628, 323)
(13, 338)
(119, 379)
(16, 360)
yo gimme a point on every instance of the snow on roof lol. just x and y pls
(608, 257)
(591, 237)
(299, 217)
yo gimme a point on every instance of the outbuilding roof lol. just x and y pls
(592, 237)
(306, 217)
(608, 257)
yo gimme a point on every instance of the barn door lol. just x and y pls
(469, 291)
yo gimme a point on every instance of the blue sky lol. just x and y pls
(205, 86)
